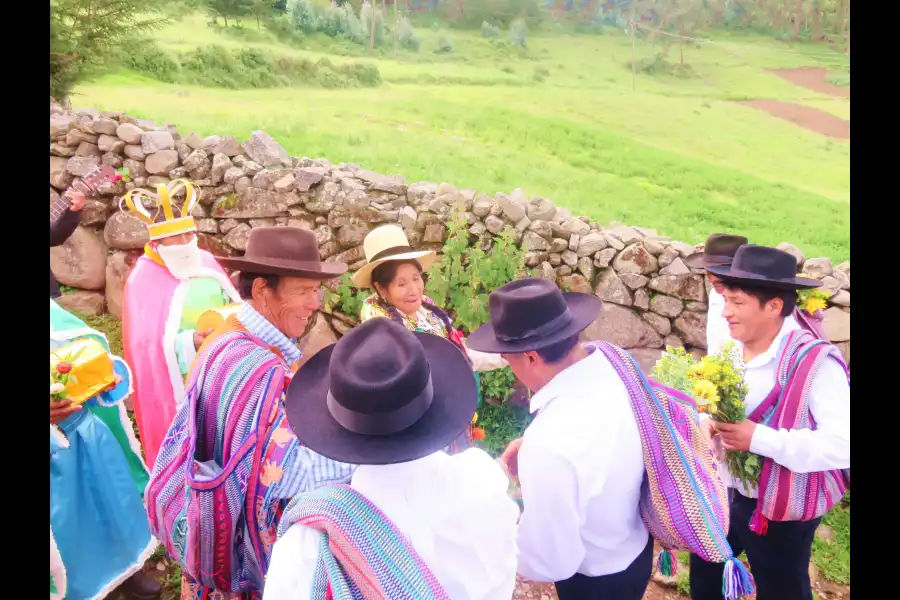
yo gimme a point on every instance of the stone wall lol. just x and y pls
(652, 298)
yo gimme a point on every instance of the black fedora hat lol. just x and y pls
(765, 267)
(719, 250)
(530, 314)
(382, 395)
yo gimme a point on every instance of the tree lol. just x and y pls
(229, 8)
(81, 31)
(261, 9)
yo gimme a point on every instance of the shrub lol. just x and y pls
(445, 46)
(541, 73)
(364, 73)
(303, 16)
(406, 35)
(146, 57)
(461, 282)
(365, 17)
(502, 424)
(517, 32)
(490, 31)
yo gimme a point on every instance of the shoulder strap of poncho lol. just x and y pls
(683, 501)
(361, 552)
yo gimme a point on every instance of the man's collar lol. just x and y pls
(264, 330)
(790, 324)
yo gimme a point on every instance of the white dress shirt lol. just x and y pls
(800, 450)
(717, 331)
(453, 509)
(581, 468)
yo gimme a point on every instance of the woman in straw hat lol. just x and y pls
(395, 273)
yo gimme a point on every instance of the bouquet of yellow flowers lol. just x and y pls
(812, 301)
(716, 383)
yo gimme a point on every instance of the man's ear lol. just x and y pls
(775, 305)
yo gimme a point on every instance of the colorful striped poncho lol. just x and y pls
(361, 553)
(229, 464)
(785, 495)
(684, 502)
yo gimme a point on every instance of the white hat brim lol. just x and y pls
(363, 277)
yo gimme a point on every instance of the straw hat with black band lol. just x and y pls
(388, 243)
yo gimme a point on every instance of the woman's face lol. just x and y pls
(405, 290)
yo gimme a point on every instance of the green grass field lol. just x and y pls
(674, 154)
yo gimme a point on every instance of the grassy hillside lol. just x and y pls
(559, 119)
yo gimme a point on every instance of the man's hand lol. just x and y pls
(59, 411)
(76, 200)
(509, 460)
(199, 337)
(708, 427)
(736, 436)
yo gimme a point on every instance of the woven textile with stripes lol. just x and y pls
(362, 554)
(683, 501)
(221, 478)
(785, 495)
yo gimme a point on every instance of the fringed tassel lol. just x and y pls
(759, 524)
(736, 580)
(666, 563)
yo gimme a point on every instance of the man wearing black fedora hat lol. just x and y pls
(718, 251)
(229, 462)
(798, 423)
(580, 462)
(421, 524)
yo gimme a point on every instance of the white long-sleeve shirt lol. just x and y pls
(717, 331)
(800, 450)
(581, 468)
(455, 511)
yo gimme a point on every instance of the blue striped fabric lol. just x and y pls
(259, 326)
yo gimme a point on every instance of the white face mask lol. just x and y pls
(182, 260)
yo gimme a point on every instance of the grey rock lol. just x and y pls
(481, 206)
(642, 299)
(124, 231)
(668, 257)
(543, 229)
(578, 227)
(842, 298)
(661, 324)
(57, 149)
(691, 327)
(676, 267)
(87, 149)
(110, 143)
(135, 152)
(533, 259)
(434, 233)
(493, 224)
(836, 324)
(161, 162)
(622, 327)
(575, 283)
(238, 237)
(558, 244)
(129, 133)
(532, 241)
(592, 243)
(817, 268)
(194, 141)
(602, 258)
(684, 287)
(195, 160)
(610, 288)
(156, 141)
(574, 242)
(633, 280)
(569, 258)
(540, 209)
(262, 148)
(653, 247)
(793, 251)
(210, 226)
(666, 306)
(227, 145)
(635, 259)
(586, 267)
(220, 164)
(79, 166)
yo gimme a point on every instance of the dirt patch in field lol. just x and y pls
(812, 78)
(804, 116)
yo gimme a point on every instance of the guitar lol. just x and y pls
(88, 185)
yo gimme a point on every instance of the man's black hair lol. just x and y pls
(559, 350)
(764, 294)
(245, 283)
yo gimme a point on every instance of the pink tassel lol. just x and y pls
(759, 524)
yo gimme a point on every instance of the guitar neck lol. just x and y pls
(58, 207)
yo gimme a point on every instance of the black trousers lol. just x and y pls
(629, 584)
(779, 560)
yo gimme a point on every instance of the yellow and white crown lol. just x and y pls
(174, 224)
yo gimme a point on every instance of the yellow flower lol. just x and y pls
(474, 418)
(707, 391)
(815, 303)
